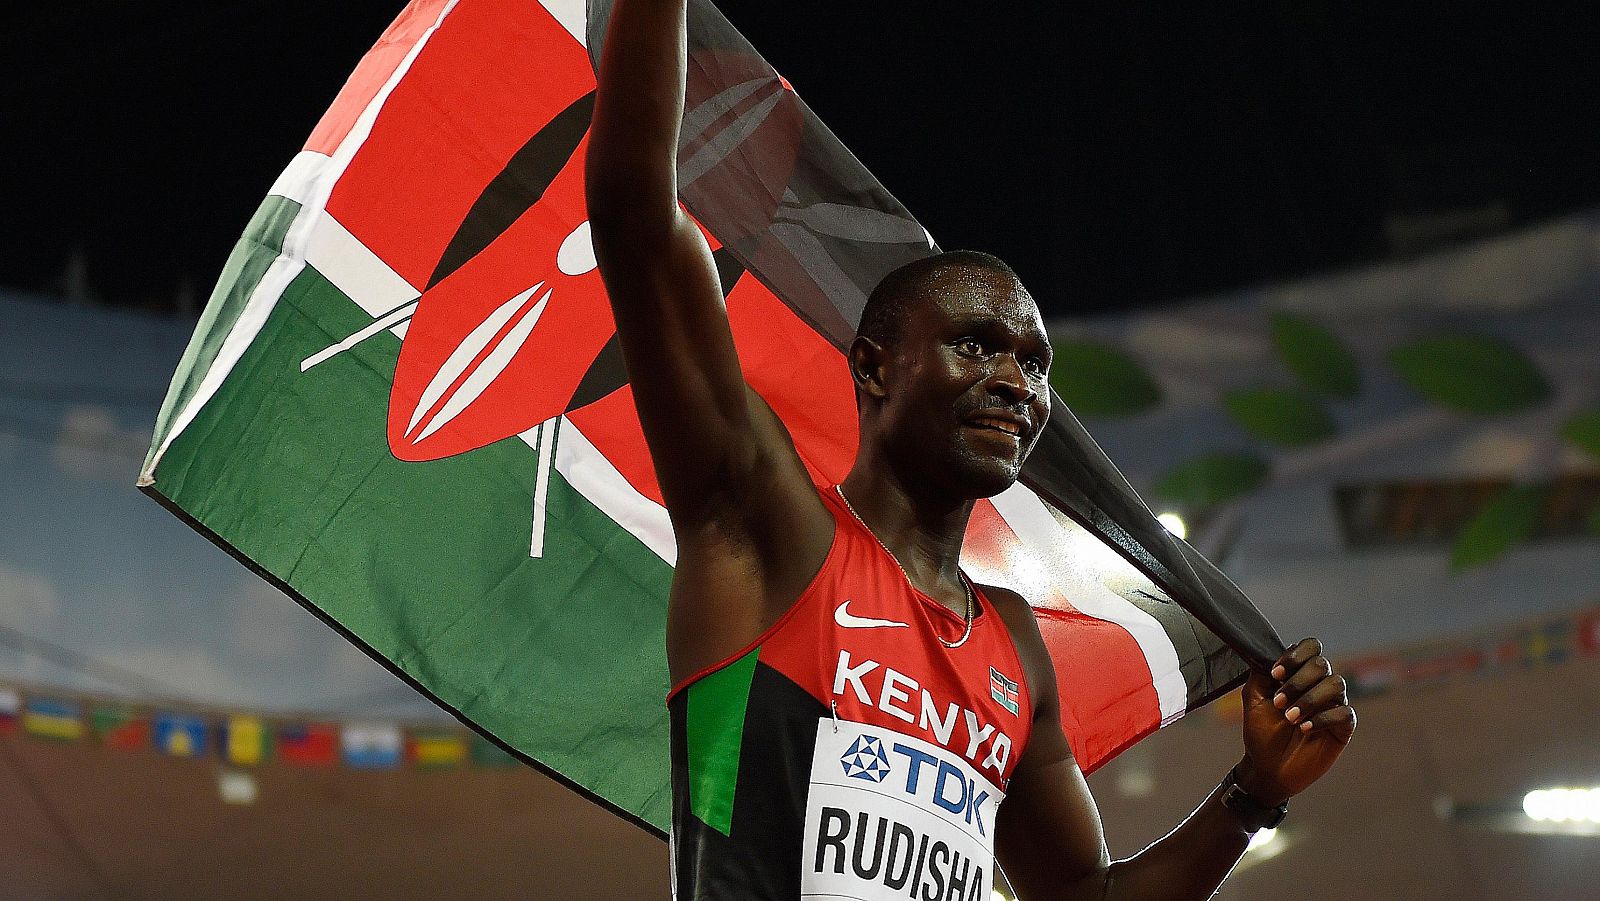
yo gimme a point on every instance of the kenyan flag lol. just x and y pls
(405, 405)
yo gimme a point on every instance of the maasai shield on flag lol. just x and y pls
(405, 404)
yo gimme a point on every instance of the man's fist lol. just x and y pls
(1297, 720)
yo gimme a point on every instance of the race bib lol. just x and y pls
(894, 817)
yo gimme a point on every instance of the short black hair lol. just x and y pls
(886, 306)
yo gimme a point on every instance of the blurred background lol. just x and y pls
(1322, 280)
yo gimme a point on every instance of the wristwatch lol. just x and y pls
(1252, 814)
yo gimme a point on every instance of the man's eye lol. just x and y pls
(1035, 366)
(970, 346)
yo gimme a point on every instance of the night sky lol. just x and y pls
(1118, 154)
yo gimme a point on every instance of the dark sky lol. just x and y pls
(1117, 154)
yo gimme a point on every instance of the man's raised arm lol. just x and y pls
(751, 530)
(657, 268)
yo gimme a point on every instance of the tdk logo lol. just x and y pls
(865, 760)
(942, 783)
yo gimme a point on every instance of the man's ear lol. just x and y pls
(867, 361)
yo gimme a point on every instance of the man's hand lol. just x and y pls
(1297, 722)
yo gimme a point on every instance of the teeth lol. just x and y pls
(999, 424)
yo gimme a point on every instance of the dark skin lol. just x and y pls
(938, 409)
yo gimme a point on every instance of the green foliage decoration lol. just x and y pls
(1279, 416)
(1098, 380)
(1211, 479)
(1583, 430)
(1474, 373)
(1502, 524)
(1316, 356)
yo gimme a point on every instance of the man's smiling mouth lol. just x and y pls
(1009, 425)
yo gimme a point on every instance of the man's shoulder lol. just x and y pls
(1018, 616)
(1008, 602)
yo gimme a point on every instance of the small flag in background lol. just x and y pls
(371, 746)
(308, 744)
(121, 727)
(52, 718)
(488, 755)
(437, 750)
(1589, 633)
(1373, 675)
(243, 740)
(179, 735)
(1551, 642)
(10, 703)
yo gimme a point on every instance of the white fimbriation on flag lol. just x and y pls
(1079, 565)
(593, 476)
(312, 179)
(345, 261)
(573, 16)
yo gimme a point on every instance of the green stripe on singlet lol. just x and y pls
(714, 734)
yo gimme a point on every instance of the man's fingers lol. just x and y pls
(1324, 695)
(1308, 674)
(1340, 722)
(1295, 657)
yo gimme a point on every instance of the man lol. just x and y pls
(848, 710)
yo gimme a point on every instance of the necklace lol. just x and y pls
(965, 583)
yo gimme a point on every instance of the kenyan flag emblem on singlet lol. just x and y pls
(1003, 690)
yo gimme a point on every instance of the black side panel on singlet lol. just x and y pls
(759, 857)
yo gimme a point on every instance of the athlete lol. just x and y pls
(848, 709)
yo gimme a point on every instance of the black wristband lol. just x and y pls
(1252, 814)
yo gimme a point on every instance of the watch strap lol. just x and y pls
(1252, 814)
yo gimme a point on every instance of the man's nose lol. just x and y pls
(1009, 380)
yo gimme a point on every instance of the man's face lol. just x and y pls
(966, 389)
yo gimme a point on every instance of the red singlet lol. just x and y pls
(847, 753)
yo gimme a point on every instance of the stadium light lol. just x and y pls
(1174, 524)
(1562, 805)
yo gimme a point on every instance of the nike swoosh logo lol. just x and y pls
(844, 618)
